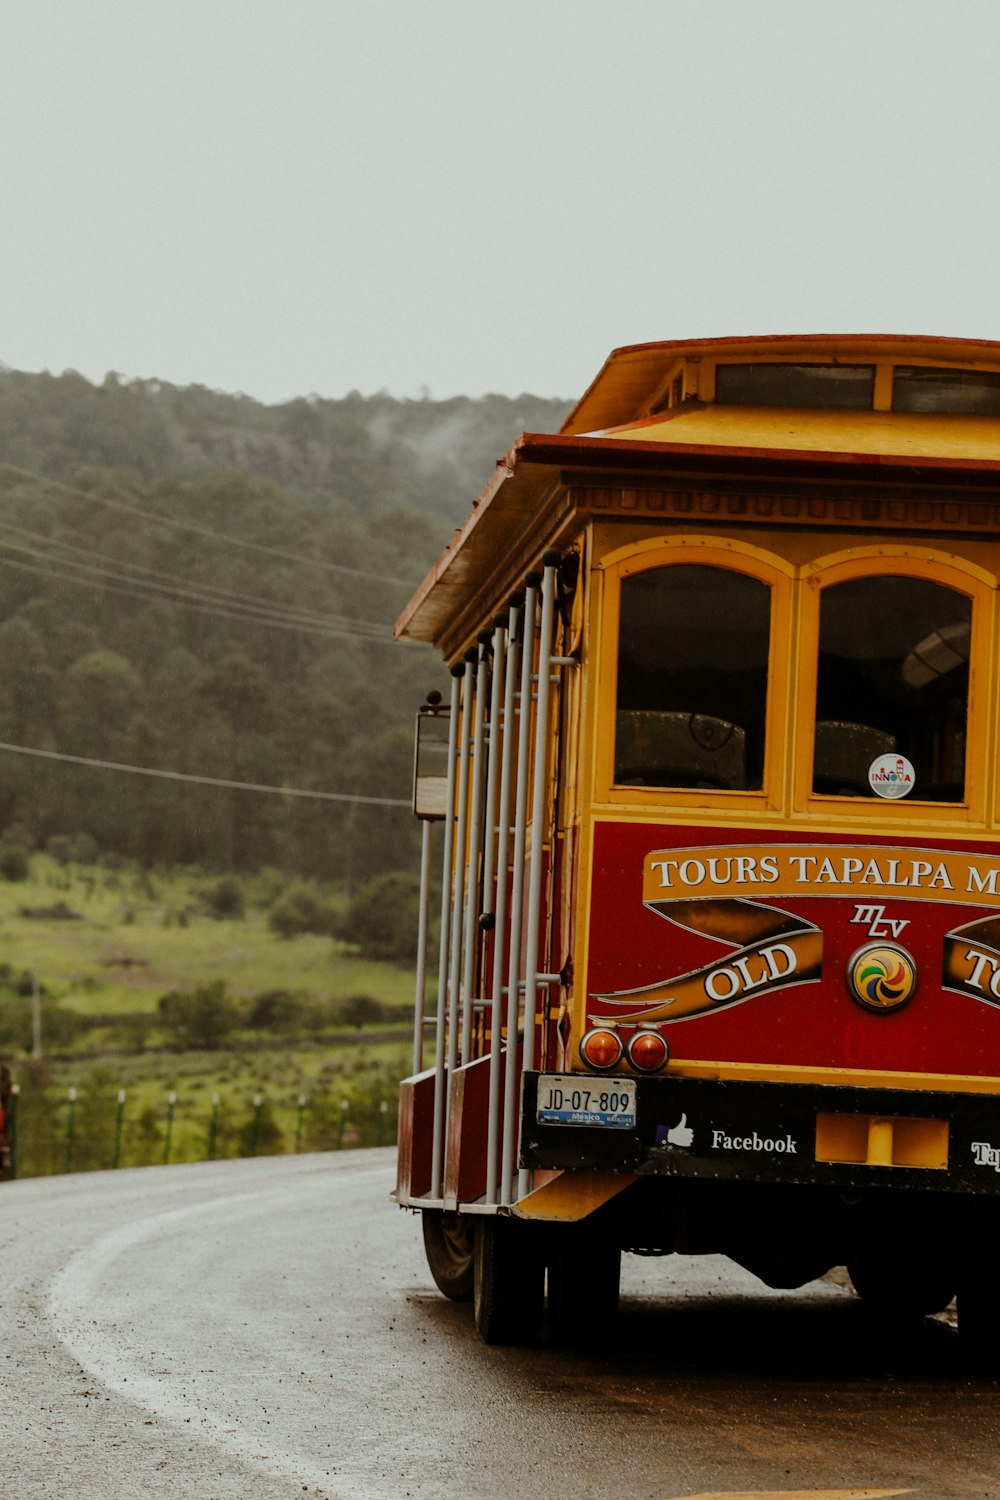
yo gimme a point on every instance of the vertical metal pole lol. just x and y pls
(298, 1123)
(539, 804)
(437, 1143)
(461, 836)
(116, 1159)
(517, 886)
(12, 1104)
(168, 1138)
(476, 778)
(70, 1126)
(495, 739)
(36, 1013)
(502, 747)
(419, 997)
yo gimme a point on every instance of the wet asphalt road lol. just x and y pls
(249, 1330)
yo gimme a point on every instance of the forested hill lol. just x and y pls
(199, 583)
(374, 452)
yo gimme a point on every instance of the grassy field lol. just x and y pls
(106, 945)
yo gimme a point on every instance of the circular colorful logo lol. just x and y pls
(882, 977)
(891, 776)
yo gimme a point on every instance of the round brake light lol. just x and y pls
(648, 1051)
(601, 1049)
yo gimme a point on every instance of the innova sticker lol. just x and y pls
(891, 776)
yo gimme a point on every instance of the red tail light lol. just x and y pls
(648, 1051)
(601, 1049)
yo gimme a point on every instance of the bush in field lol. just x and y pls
(15, 863)
(202, 1018)
(281, 1011)
(381, 920)
(300, 908)
(224, 899)
(360, 1010)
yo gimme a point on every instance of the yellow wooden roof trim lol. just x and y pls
(494, 541)
(631, 377)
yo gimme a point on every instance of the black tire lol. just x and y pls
(448, 1245)
(584, 1273)
(509, 1280)
(979, 1321)
(911, 1291)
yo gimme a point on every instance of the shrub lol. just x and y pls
(224, 899)
(361, 1010)
(382, 918)
(202, 1018)
(14, 861)
(299, 909)
(280, 1011)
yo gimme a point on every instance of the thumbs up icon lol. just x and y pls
(681, 1134)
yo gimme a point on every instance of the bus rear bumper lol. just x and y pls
(847, 1136)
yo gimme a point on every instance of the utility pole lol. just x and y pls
(36, 1013)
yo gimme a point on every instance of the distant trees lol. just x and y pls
(148, 643)
(101, 693)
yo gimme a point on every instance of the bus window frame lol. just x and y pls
(929, 565)
(732, 555)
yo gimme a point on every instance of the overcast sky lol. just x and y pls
(295, 196)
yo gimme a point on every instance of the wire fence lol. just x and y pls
(47, 1131)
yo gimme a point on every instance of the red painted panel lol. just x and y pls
(416, 1133)
(814, 1023)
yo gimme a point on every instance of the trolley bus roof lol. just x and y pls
(622, 426)
(631, 377)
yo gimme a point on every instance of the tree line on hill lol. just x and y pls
(199, 583)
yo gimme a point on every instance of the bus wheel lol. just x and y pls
(448, 1245)
(508, 1281)
(979, 1321)
(584, 1271)
(912, 1291)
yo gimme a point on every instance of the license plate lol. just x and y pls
(574, 1099)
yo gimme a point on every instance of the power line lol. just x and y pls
(223, 595)
(234, 607)
(246, 617)
(214, 536)
(218, 781)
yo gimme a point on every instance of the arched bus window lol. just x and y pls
(692, 678)
(893, 679)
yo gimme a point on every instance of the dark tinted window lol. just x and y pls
(836, 387)
(893, 679)
(692, 678)
(970, 393)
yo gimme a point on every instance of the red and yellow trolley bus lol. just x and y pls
(716, 808)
